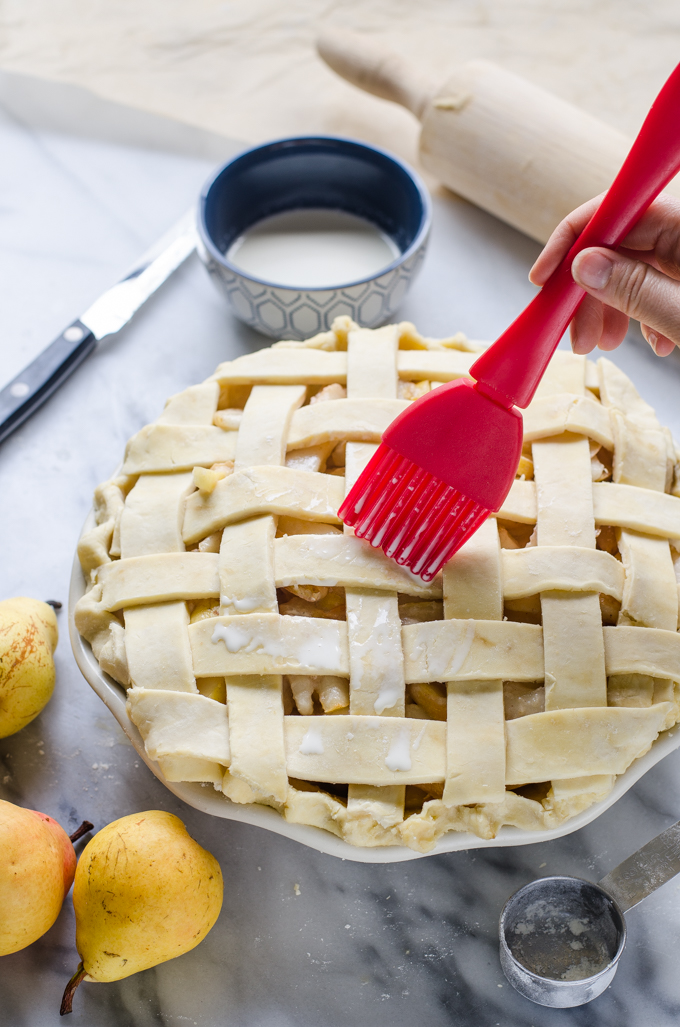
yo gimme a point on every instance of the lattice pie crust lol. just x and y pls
(275, 656)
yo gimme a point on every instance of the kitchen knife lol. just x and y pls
(107, 315)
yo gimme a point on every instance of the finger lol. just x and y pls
(647, 256)
(632, 287)
(586, 326)
(561, 240)
(658, 231)
(595, 324)
(662, 346)
(614, 328)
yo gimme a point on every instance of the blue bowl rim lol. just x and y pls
(420, 237)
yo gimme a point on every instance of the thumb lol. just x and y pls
(633, 287)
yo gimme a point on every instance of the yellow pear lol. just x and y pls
(28, 637)
(144, 892)
(36, 871)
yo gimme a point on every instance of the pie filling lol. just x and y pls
(269, 653)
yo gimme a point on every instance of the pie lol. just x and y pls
(271, 654)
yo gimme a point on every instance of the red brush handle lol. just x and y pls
(515, 364)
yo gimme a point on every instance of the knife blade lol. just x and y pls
(106, 316)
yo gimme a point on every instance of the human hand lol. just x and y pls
(641, 279)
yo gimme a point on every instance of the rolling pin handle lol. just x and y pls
(375, 69)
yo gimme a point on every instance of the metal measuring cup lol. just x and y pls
(562, 937)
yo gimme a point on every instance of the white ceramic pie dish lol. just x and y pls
(205, 798)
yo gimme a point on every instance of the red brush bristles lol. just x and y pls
(415, 518)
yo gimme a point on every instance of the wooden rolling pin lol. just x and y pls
(503, 143)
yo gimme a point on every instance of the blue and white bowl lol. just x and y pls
(313, 172)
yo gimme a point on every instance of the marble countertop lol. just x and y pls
(304, 939)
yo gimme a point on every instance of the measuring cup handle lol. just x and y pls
(646, 870)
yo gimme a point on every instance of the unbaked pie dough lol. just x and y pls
(271, 654)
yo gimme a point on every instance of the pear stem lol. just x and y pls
(70, 990)
(80, 831)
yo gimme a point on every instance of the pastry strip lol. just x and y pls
(537, 569)
(472, 581)
(356, 420)
(618, 393)
(151, 521)
(520, 503)
(650, 594)
(246, 570)
(359, 749)
(376, 661)
(640, 454)
(574, 675)
(159, 578)
(283, 366)
(170, 447)
(188, 734)
(347, 561)
(157, 647)
(433, 365)
(357, 456)
(256, 739)
(475, 737)
(623, 506)
(104, 632)
(263, 490)
(641, 458)
(371, 363)
(553, 415)
(451, 650)
(555, 745)
(642, 651)
(156, 637)
(195, 405)
(566, 372)
(431, 649)
(562, 744)
(246, 567)
(101, 544)
(264, 427)
(376, 666)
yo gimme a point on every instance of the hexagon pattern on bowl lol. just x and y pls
(299, 313)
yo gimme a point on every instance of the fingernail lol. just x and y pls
(581, 347)
(652, 339)
(592, 270)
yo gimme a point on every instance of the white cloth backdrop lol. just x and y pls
(248, 68)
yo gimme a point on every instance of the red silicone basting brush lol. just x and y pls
(448, 461)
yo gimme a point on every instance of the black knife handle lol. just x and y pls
(43, 376)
